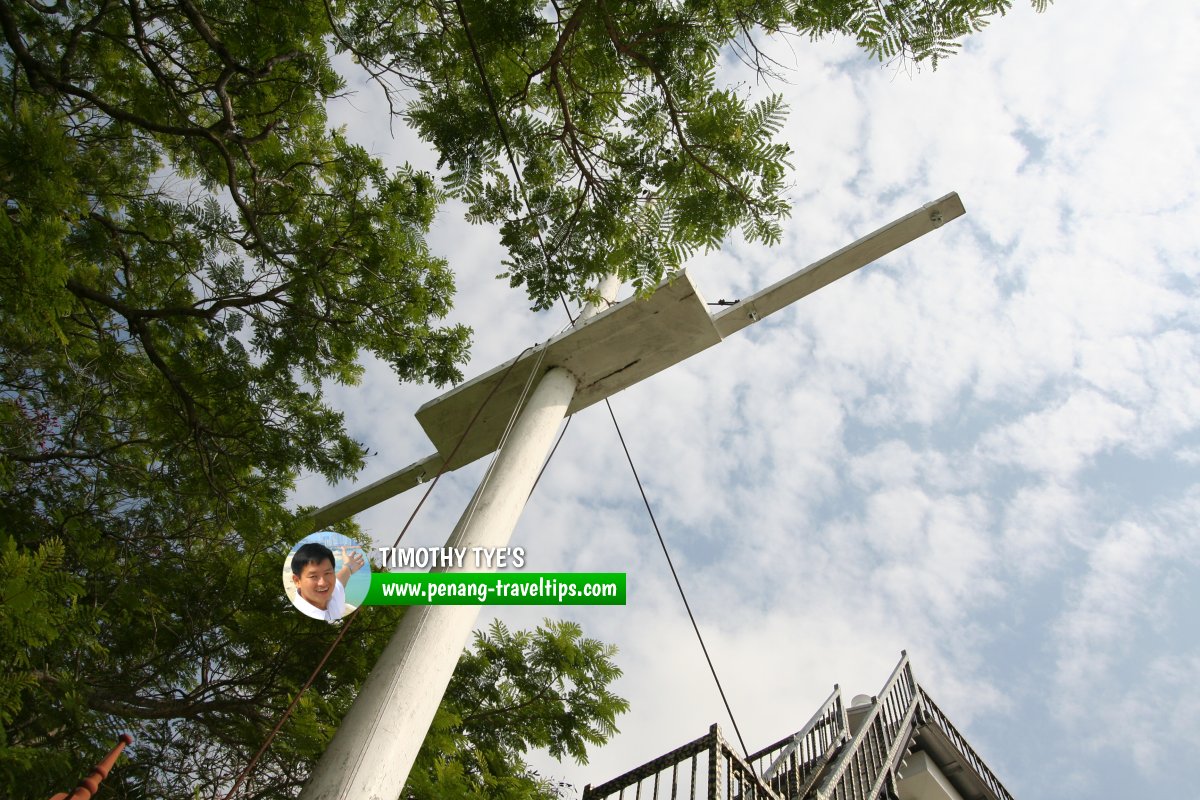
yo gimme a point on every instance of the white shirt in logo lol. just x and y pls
(332, 612)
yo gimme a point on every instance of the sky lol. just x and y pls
(983, 449)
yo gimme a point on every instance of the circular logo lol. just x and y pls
(326, 575)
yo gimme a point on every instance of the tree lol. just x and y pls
(594, 133)
(517, 691)
(189, 255)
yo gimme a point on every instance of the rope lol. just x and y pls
(552, 451)
(245, 773)
(675, 575)
(487, 89)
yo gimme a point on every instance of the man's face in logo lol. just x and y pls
(315, 583)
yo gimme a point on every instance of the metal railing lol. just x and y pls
(936, 717)
(791, 765)
(705, 769)
(820, 761)
(861, 771)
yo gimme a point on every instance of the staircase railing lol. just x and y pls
(705, 769)
(791, 765)
(955, 738)
(821, 761)
(864, 766)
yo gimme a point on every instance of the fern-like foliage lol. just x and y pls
(37, 608)
(914, 30)
(513, 692)
(627, 155)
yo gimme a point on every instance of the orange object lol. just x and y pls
(91, 784)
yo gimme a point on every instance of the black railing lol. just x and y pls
(955, 738)
(791, 765)
(705, 769)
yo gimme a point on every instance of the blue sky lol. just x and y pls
(984, 449)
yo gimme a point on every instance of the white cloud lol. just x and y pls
(1043, 525)
(1106, 604)
(1116, 689)
(1060, 440)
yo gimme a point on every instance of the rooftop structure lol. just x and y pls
(897, 745)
